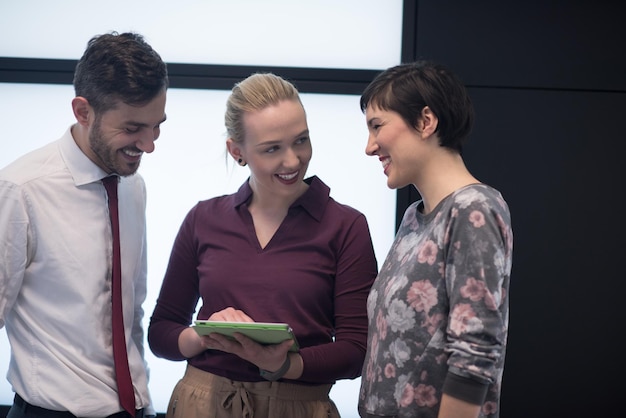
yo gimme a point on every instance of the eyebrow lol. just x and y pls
(145, 125)
(304, 132)
(277, 141)
(371, 120)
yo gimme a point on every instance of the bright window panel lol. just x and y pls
(356, 34)
(190, 164)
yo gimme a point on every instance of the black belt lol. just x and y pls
(48, 413)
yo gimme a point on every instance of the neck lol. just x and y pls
(441, 177)
(266, 201)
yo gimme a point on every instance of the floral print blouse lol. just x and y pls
(438, 310)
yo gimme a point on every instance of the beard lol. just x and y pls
(107, 155)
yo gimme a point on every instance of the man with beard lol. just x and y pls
(59, 243)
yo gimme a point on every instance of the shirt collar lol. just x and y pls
(314, 200)
(82, 169)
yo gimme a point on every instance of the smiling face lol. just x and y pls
(396, 144)
(277, 149)
(118, 137)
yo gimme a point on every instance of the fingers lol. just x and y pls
(286, 344)
(215, 341)
(239, 344)
(264, 356)
(230, 314)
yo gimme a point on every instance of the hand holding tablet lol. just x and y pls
(261, 332)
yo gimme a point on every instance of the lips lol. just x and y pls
(288, 178)
(385, 162)
(132, 154)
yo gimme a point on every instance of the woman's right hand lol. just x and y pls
(231, 315)
(191, 344)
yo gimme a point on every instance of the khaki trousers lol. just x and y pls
(200, 394)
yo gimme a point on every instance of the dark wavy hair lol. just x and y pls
(407, 88)
(119, 67)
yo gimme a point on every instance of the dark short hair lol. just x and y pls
(119, 67)
(407, 88)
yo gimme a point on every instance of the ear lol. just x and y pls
(428, 122)
(233, 149)
(82, 110)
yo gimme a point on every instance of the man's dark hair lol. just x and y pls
(119, 67)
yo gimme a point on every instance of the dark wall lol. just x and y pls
(548, 80)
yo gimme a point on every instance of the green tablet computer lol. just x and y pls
(261, 332)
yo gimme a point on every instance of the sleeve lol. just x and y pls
(178, 296)
(477, 276)
(15, 236)
(141, 290)
(140, 279)
(356, 271)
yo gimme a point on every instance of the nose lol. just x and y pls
(146, 142)
(292, 159)
(372, 147)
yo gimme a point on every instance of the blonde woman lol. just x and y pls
(280, 249)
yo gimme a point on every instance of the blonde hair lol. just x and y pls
(256, 92)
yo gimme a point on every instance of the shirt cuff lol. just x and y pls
(465, 389)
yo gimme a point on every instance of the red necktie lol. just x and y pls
(120, 357)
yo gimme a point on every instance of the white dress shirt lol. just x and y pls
(55, 280)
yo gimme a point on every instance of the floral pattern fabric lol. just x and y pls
(439, 305)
